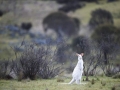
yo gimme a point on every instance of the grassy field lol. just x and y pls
(53, 84)
(84, 14)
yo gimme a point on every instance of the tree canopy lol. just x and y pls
(61, 24)
(99, 17)
(107, 37)
(80, 44)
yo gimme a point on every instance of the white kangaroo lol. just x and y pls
(78, 70)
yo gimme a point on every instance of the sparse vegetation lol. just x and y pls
(36, 62)
(37, 66)
(52, 84)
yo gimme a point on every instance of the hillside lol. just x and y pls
(34, 12)
(84, 13)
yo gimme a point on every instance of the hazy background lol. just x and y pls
(67, 22)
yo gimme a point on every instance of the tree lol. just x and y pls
(92, 57)
(106, 37)
(92, 61)
(99, 17)
(80, 44)
(61, 24)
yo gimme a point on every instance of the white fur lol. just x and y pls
(77, 72)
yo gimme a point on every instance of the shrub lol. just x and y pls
(26, 26)
(28, 64)
(48, 70)
(35, 61)
(5, 69)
